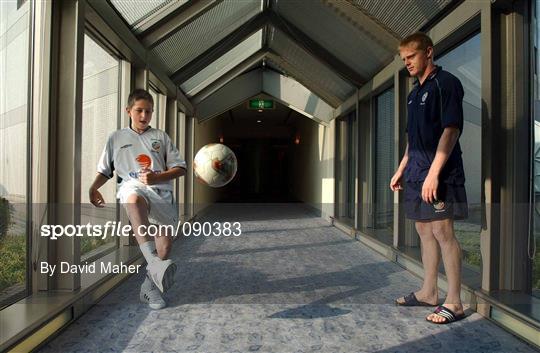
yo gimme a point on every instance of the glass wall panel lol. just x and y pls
(534, 249)
(100, 118)
(14, 52)
(346, 168)
(465, 63)
(383, 202)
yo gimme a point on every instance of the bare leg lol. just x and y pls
(161, 273)
(443, 231)
(137, 211)
(164, 244)
(430, 260)
(429, 292)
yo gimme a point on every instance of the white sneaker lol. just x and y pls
(150, 295)
(161, 272)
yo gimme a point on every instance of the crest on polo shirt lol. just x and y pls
(156, 145)
(439, 206)
(424, 97)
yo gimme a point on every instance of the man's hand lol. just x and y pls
(148, 177)
(96, 198)
(395, 183)
(429, 188)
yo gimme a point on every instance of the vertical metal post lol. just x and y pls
(39, 164)
(68, 41)
(190, 154)
(490, 195)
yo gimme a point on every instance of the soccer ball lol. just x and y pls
(215, 165)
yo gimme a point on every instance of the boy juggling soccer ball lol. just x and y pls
(146, 162)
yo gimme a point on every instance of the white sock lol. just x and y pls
(148, 250)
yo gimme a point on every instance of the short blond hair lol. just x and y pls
(421, 40)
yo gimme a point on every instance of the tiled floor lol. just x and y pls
(289, 283)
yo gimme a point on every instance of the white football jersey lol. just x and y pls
(128, 152)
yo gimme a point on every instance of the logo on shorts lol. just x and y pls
(439, 206)
(156, 145)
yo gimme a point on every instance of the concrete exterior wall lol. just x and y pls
(312, 177)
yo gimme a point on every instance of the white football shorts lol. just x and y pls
(160, 202)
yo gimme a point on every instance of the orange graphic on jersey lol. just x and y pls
(144, 161)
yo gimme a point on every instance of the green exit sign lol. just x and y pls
(261, 104)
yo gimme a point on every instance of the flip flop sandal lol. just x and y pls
(447, 314)
(411, 300)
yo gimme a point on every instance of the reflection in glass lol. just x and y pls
(99, 119)
(465, 63)
(14, 46)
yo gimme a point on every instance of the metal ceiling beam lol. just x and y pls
(288, 67)
(318, 51)
(253, 59)
(264, 42)
(381, 34)
(118, 29)
(221, 48)
(229, 76)
(296, 96)
(152, 19)
(229, 96)
(267, 6)
(175, 21)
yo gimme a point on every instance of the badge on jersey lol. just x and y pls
(156, 145)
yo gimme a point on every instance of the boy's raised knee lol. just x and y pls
(135, 198)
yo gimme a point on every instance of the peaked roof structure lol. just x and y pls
(204, 45)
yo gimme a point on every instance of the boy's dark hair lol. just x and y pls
(421, 40)
(137, 94)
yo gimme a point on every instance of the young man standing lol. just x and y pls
(433, 171)
(146, 162)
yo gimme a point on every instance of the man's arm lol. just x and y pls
(404, 160)
(395, 183)
(446, 144)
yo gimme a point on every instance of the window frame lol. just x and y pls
(473, 283)
(533, 60)
(372, 230)
(105, 249)
(351, 127)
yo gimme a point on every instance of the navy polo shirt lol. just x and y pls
(431, 107)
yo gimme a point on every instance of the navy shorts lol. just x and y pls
(451, 203)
